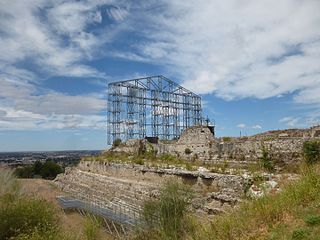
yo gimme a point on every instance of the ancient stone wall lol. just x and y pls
(206, 148)
(128, 185)
(283, 146)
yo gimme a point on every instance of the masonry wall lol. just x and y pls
(284, 146)
(127, 186)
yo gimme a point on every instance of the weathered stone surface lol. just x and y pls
(129, 185)
(284, 146)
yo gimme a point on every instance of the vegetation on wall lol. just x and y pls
(116, 142)
(187, 151)
(292, 213)
(266, 160)
(311, 151)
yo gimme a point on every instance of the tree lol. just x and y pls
(311, 151)
(37, 167)
(50, 170)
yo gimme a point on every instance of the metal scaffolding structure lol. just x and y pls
(152, 106)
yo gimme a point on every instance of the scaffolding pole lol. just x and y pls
(152, 106)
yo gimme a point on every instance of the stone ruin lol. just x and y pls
(127, 185)
(285, 146)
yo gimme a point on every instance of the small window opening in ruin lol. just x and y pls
(202, 131)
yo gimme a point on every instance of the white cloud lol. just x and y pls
(55, 38)
(22, 106)
(21, 120)
(290, 121)
(234, 50)
(257, 49)
(257, 126)
(241, 125)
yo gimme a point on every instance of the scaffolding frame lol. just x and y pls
(151, 106)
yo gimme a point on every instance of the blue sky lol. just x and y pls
(256, 64)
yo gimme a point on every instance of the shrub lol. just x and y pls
(37, 167)
(266, 160)
(138, 160)
(299, 234)
(312, 219)
(116, 142)
(168, 158)
(187, 151)
(92, 228)
(47, 170)
(167, 214)
(8, 183)
(226, 139)
(25, 172)
(311, 151)
(48, 235)
(189, 166)
(23, 215)
(50, 170)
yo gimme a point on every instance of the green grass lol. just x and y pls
(9, 183)
(312, 219)
(27, 218)
(92, 228)
(293, 213)
(262, 218)
(166, 217)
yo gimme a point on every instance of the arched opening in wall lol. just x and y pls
(316, 133)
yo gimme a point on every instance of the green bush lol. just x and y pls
(311, 151)
(266, 160)
(187, 151)
(167, 214)
(226, 139)
(312, 219)
(138, 160)
(116, 142)
(299, 234)
(47, 235)
(21, 215)
(37, 167)
(47, 170)
(92, 228)
(50, 170)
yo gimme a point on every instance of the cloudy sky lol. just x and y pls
(256, 64)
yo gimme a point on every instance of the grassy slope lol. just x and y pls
(293, 213)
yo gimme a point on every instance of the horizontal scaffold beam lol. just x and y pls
(152, 106)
